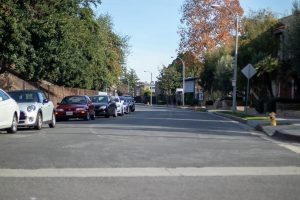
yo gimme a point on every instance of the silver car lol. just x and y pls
(35, 108)
(120, 106)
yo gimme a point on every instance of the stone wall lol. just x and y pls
(10, 82)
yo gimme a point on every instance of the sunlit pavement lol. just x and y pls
(153, 153)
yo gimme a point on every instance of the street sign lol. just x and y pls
(249, 71)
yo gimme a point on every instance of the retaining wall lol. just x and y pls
(10, 82)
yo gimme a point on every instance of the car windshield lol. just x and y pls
(99, 99)
(74, 100)
(129, 98)
(24, 96)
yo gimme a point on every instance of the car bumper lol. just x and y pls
(101, 112)
(27, 118)
(68, 115)
(119, 110)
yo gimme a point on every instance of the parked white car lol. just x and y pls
(119, 104)
(9, 113)
(35, 108)
(125, 102)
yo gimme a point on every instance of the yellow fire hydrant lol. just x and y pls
(273, 118)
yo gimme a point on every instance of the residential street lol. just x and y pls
(158, 153)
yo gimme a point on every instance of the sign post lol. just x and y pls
(249, 72)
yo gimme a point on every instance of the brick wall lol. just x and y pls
(10, 82)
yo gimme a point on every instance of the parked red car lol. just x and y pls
(75, 107)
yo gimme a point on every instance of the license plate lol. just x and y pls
(69, 113)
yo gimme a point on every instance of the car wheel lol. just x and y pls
(39, 122)
(53, 121)
(87, 117)
(14, 125)
(115, 113)
(93, 116)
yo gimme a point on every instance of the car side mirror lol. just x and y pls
(1, 99)
(45, 101)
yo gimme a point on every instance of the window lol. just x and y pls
(42, 96)
(24, 96)
(3, 96)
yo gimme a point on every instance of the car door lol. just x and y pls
(90, 105)
(111, 107)
(46, 107)
(6, 110)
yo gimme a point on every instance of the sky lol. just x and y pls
(152, 26)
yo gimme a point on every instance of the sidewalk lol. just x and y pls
(286, 127)
(293, 129)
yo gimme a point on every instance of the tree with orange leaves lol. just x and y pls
(207, 24)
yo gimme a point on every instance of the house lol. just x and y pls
(193, 91)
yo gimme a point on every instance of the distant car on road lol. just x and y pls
(120, 106)
(35, 108)
(104, 105)
(131, 103)
(9, 113)
(79, 106)
(126, 103)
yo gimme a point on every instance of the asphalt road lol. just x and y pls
(154, 153)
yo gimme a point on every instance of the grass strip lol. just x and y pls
(245, 116)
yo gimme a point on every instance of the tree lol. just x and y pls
(132, 79)
(293, 38)
(61, 42)
(15, 47)
(218, 71)
(193, 66)
(259, 46)
(128, 81)
(206, 28)
(168, 80)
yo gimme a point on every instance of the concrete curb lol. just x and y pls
(271, 131)
(244, 121)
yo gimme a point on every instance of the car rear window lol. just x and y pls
(74, 100)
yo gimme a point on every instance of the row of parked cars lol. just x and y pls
(31, 108)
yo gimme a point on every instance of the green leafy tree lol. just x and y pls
(217, 73)
(15, 45)
(128, 81)
(168, 80)
(259, 46)
(294, 39)
(60, 41)
(224, 73)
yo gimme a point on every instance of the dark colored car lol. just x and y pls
(104, 106)
(75, 107)
(131, 103)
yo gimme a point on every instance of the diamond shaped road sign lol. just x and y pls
(249, 71)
